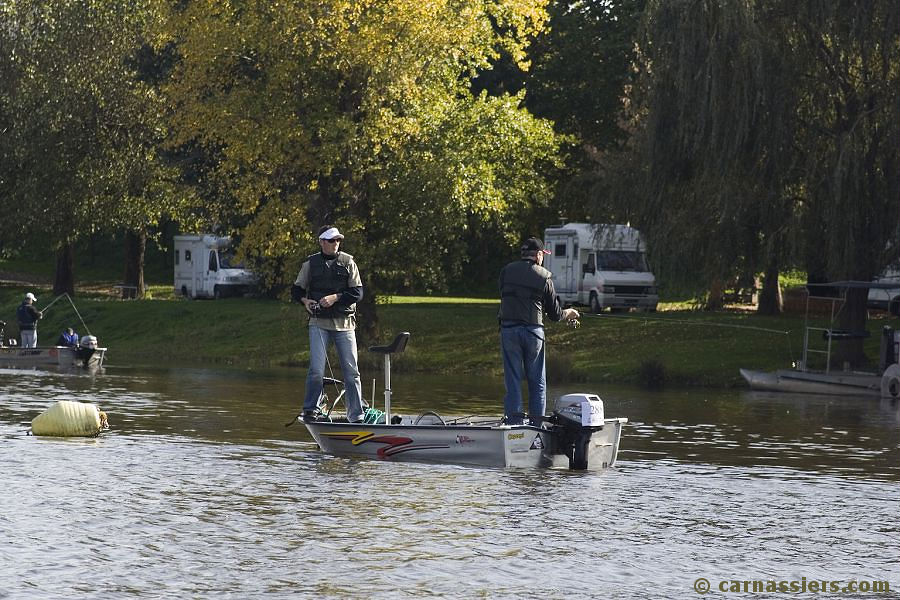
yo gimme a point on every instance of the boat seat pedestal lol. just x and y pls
(398, 345)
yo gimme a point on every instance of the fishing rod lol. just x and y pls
(75, 308)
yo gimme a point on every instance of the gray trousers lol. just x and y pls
(29, 338)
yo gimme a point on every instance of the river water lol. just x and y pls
(198, 490)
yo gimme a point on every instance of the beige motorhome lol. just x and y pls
(204, 269)
(600, 266)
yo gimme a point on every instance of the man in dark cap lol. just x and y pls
(526, 293)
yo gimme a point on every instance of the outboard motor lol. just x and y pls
(86, 348)
(577, 417)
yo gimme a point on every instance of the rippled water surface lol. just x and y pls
(199, 490)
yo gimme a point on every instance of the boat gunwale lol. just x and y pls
(449, 426)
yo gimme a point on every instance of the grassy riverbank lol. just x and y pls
(449, 335)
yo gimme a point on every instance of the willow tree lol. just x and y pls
(361, 114)
(849, 130)
(770, 122)
(717, 101)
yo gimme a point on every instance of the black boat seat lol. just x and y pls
(398, 345)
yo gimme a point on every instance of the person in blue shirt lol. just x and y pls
(69, 337)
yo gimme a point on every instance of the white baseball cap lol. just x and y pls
(331, 234)
(30, 296)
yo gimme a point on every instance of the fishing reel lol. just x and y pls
(313, 307)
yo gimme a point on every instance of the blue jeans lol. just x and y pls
(523, 356)
(345, 343)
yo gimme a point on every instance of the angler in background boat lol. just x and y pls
(70, 350)
(69, 338)
(526, 293)
(28, 317)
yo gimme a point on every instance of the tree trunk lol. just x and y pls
(133, 281)
(64, 278)
(852, 319)
(771, 302)
(715, 300)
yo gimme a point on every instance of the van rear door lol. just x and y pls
(562, 262)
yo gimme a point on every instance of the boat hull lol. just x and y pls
(808, 382)
(465, 444)
(52, 356)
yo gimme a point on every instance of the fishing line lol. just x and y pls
(75, 308)
(684, 322)
(785, 333)
(337, 389)
(313, 313)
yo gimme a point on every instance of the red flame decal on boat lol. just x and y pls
(393, 444)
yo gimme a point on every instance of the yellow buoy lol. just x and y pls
(67, 419)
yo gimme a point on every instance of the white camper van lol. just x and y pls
(600, 266)
(203, 268)
(887, 295)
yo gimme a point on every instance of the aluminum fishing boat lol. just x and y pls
(55, 356)
(85, 354)
(813, 382)
(821, 342)
(576, 436)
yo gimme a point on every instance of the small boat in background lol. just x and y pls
(87, 354)
(822, 341)
(57, 356)
(813, 382)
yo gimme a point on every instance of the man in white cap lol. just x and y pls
(329, 287)
(28, 316)
(526, 293)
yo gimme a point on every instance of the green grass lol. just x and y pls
(449, 335)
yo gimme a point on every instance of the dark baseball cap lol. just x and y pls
(533, 245)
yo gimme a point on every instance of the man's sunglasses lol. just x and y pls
(334, 241)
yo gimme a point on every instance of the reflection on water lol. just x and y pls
(199, 490)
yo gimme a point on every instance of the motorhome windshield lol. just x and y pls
(622, 260)
(226, 261)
